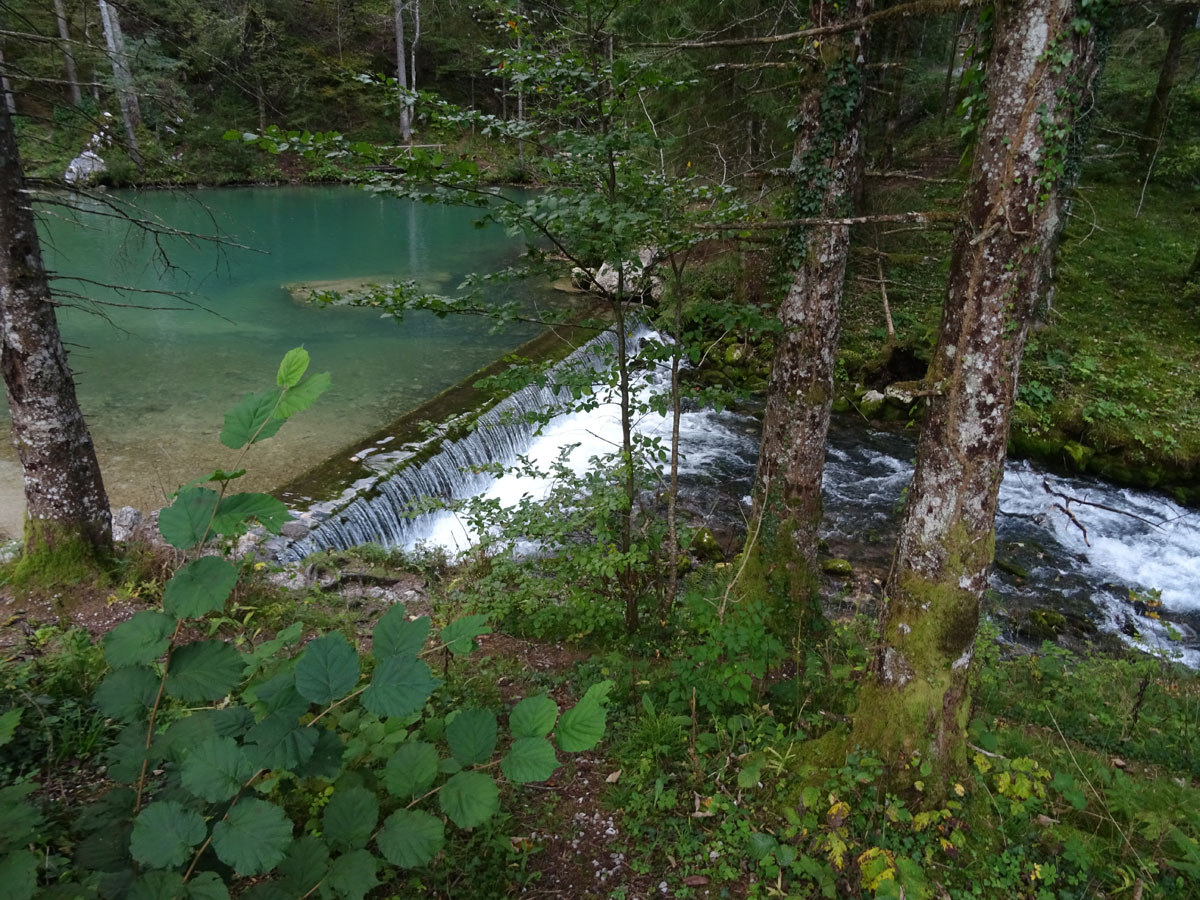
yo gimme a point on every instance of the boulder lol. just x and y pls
(871, 404)
(640, 279)
(704, 546)
(85, 169)
(840, 568)
(125, 522)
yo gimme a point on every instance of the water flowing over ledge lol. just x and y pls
(1059, 567)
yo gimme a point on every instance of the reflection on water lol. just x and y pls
(155, 383)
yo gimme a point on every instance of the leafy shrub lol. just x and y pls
(222, 755)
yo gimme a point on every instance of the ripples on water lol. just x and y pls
(865, 475)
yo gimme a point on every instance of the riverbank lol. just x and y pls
(1108, 381)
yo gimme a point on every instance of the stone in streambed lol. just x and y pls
(839, 568)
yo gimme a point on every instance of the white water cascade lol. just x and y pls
(1142, 541)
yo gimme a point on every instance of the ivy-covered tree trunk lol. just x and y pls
(68, 526)
(826, 167)
(1182, 20)
(1040, 71)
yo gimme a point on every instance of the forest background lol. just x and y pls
(1047, 809)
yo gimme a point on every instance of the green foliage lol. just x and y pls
(220, 748)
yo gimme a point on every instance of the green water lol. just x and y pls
(154, 384)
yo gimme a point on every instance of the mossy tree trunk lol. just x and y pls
(827, 167)
(68, 523)
(1039, 75)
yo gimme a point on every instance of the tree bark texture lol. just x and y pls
(826, 166)
(66, 505)
(131, 113)
(402, 72)
(64, 32)
(1039, 75)
(10, 102)
(1182, 20)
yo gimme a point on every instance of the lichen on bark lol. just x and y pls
(68, 522)
(1039, 75)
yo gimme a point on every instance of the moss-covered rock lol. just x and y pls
(704, 546)
(840, 568)
(1044, 624)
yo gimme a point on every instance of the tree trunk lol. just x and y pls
(1194, 271)
(402, 74)
(64, 32)
(10, 102)
(131, 113)
(826, 167)
(68, 526)
(1040, 73)
(1182, 20)
(416, 39)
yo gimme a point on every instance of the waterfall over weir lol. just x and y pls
(444, 468)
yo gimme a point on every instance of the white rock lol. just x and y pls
(85, 168)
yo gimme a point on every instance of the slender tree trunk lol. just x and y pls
(1182, 20)
(402, 74)
(10, 102)
(131, 113)
(959, 22)
(826, 167)
(1194, 271)
(64, 32)
(416, 39)
(1040, 73)
(68, 527)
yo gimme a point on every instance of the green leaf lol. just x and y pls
(411, 770)
(8, 725)
(760, 844)
(207, 886)
(19, 821)
(400, 685)
(18, 875)
(350, 818)
(581, 727)
(302, 396)
(352, 875)
(395, 635)
(184, 524)
(472, 736)
(305, 866)
(469, 799)
(533, 717)
(199, 588)
(204, 670)
(235, 512)
(164, 834)
(459, 636)
(252, 837)
(328, 670)
(215, 769)
(326, 759)
(142, 639)
(251, 419)
(529, 759)
(127, 694)
(277, 742)
(411, 838)
(293, 367)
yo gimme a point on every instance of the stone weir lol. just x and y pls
(368, 493)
